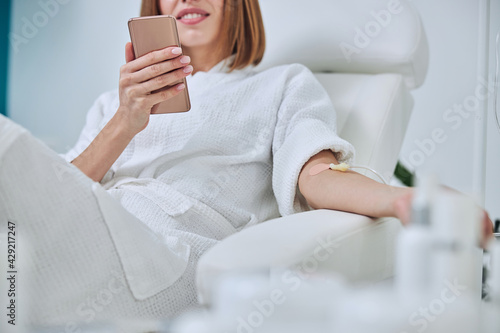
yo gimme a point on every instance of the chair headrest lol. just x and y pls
(347, 36)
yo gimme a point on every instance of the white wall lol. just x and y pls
(56, 76)
(493, 157)
(452, 29)
(62, 68)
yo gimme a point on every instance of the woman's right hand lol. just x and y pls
(140, 77)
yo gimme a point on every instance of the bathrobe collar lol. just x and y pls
(223, 67)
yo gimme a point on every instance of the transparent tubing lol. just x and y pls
(382, 179)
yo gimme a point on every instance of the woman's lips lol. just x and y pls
(192, 16)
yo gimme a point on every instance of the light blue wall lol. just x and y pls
(4, 53)
(64, 62)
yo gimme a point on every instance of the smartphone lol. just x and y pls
(151, 33)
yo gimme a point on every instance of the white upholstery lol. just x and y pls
(356, 246)
(371, 94)
(315, 33)
(373, 112)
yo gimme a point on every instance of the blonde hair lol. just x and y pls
(242, 31)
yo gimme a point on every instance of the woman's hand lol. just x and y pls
(402, 208)
(140, 77)
(486, 230)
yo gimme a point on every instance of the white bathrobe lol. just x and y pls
(195, 178)
(237, 154)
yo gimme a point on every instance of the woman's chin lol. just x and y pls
(195, 37)
(193, 43)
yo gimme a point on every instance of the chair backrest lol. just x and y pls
(347, 36)
(368, 54)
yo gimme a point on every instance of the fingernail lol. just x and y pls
(185, 60)
(181, 87)
(188, 69)
(177, 50)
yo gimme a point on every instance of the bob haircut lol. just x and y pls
(242, 31)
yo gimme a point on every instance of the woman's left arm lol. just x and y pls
(349, 191)
(352, 192)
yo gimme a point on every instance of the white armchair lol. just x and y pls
(368, 54)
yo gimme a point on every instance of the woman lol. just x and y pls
(173, 185)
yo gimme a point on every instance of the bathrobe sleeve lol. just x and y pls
(305, 126)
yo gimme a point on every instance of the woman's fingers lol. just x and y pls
(158, 72)
(165, 80)
(161, 68)
(166, 94)
(153, 71)
(402, 208)
(146, 90)
(487, 230)
(151, 58)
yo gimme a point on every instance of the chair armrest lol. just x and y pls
(358, 247)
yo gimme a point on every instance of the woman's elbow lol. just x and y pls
(307, 189)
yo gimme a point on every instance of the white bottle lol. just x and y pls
(456, 282)
(457, 258)
(414, 246)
